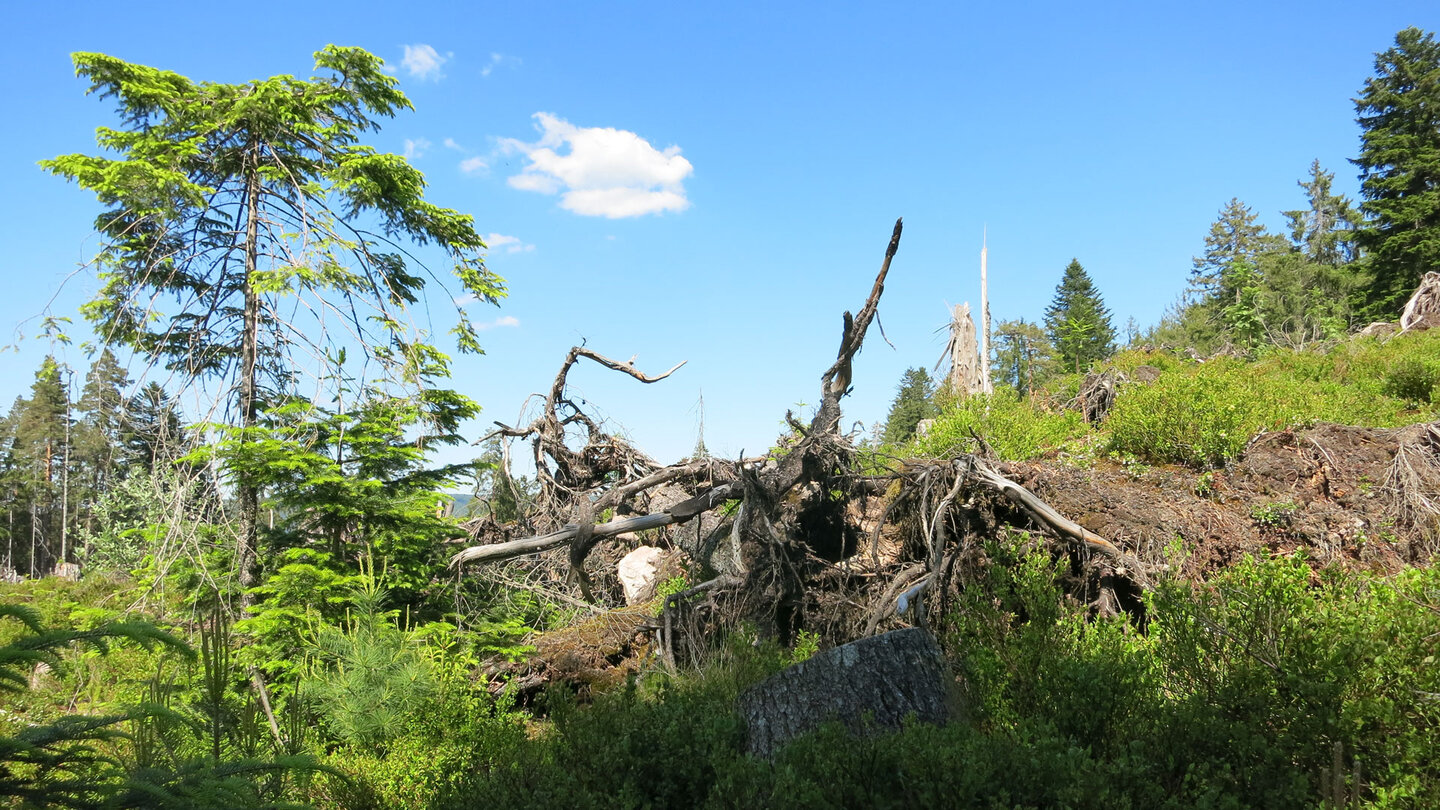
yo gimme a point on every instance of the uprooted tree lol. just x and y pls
(811, 535)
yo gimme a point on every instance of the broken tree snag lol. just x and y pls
(1423, 308)
(835, 382)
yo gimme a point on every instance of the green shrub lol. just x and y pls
(1412, 380)
(1198, 417)
(1015, 428)
(1204, 414)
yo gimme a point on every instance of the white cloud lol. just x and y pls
(496, 60)
(512, 244)
(502, 322)
(423, 62)
(415, 148)
(471, 165)
(606, 172)
(451, 144)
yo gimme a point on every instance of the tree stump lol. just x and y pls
(869, 686)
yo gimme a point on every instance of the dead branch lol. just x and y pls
(1046, 515)
(835, 382)
(534, 545)
(628, 367)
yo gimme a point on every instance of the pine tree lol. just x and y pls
(1399, 114)
(912, 403)
(1077, 320)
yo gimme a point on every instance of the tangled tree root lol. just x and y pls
(803, 538)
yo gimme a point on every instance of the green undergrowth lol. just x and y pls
(1202, 414)
(1242, 691)
(1014, 427)
(1238, 693)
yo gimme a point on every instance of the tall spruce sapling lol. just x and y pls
(255, 209)
(913, 403)
(1077, 320)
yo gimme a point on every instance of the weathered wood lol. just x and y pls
(869, 686)
(1045, 513)
(962, 357)
(1097, 395)
(835, 382)
(1423, 304)
(534, 545)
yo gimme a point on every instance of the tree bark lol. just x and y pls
(248, 494)
(869, 686)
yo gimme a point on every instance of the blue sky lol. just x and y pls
(716, 183)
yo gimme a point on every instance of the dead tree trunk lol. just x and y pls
(869, 686)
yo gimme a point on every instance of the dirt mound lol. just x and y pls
(1329, 489)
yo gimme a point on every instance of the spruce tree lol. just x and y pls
(1324, 232)
(1399, 113)
(100, 431)
(1077, 320)
(912, 403)
(243, 221)
(1234, 244)
(152, 435)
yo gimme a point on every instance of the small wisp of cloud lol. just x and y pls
(496, 60)
(424, 62)
(415, 148)
(606, 172)
(512, 244)
(472, 165)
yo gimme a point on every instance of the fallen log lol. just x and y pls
(791, 553)
(678, 513)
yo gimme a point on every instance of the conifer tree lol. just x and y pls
(152, 434)
(912, 403)
(41, 456)
(11, 478)
(1234, 244)
(100, 431)
(257, 211)
(1399, 114)
(1024, 356)
(1324, 232)
(1077, 320)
